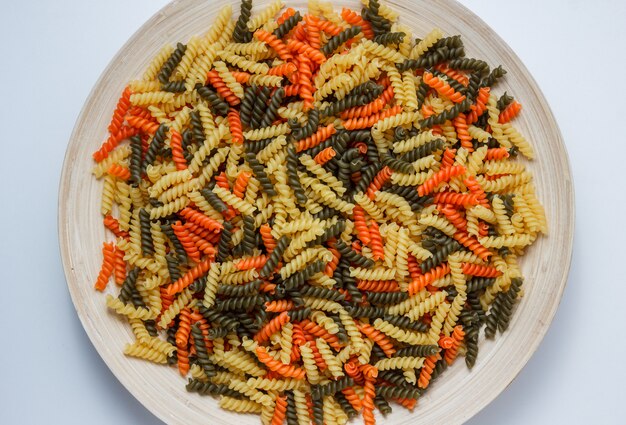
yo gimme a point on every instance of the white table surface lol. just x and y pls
(53, 52)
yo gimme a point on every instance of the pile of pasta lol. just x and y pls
(315, 214)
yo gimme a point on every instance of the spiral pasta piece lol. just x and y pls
(322, 134)
(144, 352)
(108, 264)
(285, 370)
(234, 122)
(361, 225)
(509, 112)
(119, 171)
(239, 405)
(379, 338)
(369, 391)
(121, 109)
(325, 155)
(272, 41)
(427, 371)
(442, 176)
(188, 278)
(197, 217)
(283, 70)
(307, 50)
(481, 270)
(272, 327)
(113, 141)
(370, 120)
(371, 108)
(280, 411)
(223, 88)
(305, 86)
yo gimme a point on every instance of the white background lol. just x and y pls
(52, 53)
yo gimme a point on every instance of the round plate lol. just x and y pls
(460, 393)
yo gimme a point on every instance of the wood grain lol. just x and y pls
(460, 393)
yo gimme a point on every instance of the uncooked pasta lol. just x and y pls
(313, 214)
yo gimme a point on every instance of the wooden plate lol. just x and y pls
(460, 393)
